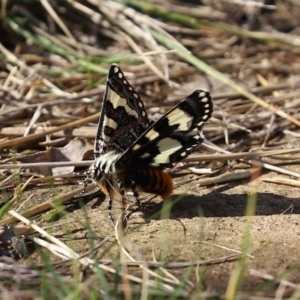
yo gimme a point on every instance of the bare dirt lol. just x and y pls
(205, 223)
(203, 220)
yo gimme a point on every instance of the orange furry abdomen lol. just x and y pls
(146, 180)
(154, 181)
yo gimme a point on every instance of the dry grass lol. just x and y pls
(54, 60)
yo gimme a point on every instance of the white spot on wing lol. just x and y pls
(111, 123)
(166, 148)
(181, 118)
(135, 147)
(145, 155)
(152, 134)
(117, 101)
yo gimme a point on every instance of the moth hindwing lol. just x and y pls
(173, 136)
(131, 151)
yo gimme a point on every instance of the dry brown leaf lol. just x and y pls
(76, 150)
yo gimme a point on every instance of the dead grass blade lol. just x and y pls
(49, 204)
(54, 60)
(23, 140)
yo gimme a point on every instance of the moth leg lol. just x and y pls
(136, 196)
(135, 193)
(110, 195)
(109, 206)
(123, 202)
(85, 182)
(121, 187)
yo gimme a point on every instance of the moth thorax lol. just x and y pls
(104, 165)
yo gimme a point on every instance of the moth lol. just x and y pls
(131, 151)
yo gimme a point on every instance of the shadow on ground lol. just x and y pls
(217, 204)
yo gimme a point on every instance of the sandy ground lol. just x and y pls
(203, 220)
